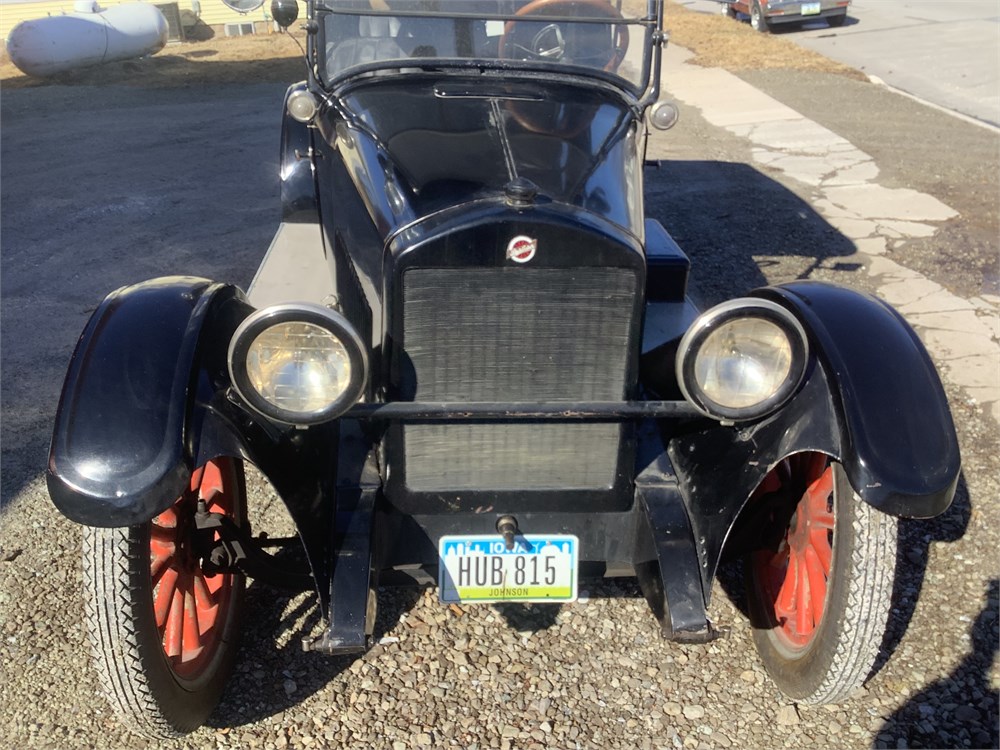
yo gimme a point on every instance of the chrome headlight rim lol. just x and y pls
(709, 322)
(298, 312)
(302, 106)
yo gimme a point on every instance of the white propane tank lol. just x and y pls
(90, 36)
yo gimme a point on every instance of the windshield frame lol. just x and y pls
(646, 31)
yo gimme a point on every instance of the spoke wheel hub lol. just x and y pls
(794, 579)
(190, 607)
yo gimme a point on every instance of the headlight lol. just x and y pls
(302, 106)
(298, 363)
(742, 359)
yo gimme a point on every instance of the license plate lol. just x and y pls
(540, 568)
(811, 9)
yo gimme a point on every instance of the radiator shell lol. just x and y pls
(467, 325)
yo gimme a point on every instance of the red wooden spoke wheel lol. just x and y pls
(164, 633)
(819, 597)
(189, 606)
(795, 577)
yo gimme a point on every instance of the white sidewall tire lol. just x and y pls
(847, 641)
(127, 652)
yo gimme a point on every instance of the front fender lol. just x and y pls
(121, 449)
(871, 400)
(897, 437)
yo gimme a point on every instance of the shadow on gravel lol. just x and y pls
(912, 555)
(529, 617)
(735, 223)
(536, 617)
(273, 673)
(539, 616)
(962, 709)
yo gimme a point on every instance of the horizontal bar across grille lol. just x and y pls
(555, 411)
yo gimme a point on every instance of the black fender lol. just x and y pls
(122, 448)
(872, 400)
(897, 437)
(299, 200)
(147, 399)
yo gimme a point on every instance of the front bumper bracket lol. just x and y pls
(671, 583)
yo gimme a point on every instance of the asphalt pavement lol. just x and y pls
(104, 186)
(944, 52)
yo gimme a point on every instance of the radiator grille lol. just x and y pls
(514, 334)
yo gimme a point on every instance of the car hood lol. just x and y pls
(421, 146)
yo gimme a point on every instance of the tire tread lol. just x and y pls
(112, 631)
(873, 562)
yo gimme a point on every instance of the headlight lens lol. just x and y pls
(742, 360)
(298, 364)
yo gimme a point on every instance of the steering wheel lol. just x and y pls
(552, 42)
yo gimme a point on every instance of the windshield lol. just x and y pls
(609, 37)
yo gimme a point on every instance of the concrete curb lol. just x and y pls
(958, 115)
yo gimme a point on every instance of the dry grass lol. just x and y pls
(720, 42)
(715, 40)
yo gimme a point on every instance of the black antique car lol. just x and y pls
(467, 354)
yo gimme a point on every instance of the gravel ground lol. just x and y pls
(195, 193)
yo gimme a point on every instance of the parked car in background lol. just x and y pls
(767, 13)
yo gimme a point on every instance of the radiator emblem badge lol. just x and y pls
(521, 249)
